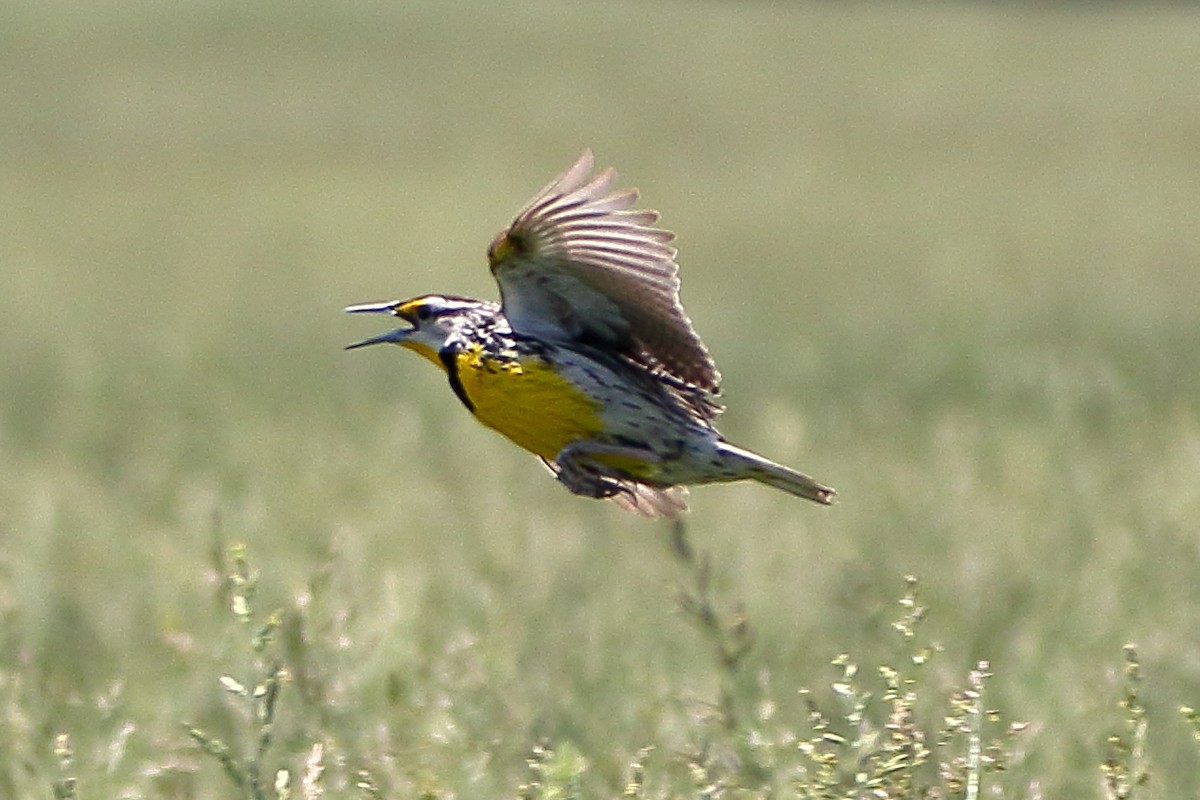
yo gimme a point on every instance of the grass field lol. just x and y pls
(947, 258)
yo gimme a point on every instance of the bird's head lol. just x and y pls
(433, 321)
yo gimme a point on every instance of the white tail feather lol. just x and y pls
(745, 464)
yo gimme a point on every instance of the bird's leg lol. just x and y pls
(579, 470)
(583, 482)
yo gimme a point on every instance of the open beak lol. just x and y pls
(395, 337)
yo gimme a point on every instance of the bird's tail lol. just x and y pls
(745, 464)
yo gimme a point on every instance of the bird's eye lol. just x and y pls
(424, 312)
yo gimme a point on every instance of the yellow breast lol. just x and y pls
(527, 401)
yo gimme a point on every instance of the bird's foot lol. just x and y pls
(577, 468)
(588, 484)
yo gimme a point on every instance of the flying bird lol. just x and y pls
(589, 360)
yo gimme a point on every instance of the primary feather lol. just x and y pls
(579, 262)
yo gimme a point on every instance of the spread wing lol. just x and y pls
(580, 262)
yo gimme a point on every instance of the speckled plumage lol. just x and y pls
(589, 361)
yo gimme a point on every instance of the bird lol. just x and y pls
(589, 360)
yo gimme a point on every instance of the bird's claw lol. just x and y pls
(584, 479)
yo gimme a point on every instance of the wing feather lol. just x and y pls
(580, 262)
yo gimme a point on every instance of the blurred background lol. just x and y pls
(946, 257)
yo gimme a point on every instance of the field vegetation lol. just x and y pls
(946, 256)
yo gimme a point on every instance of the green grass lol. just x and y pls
(946, 258)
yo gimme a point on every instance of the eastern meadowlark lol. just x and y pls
(589, 360)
